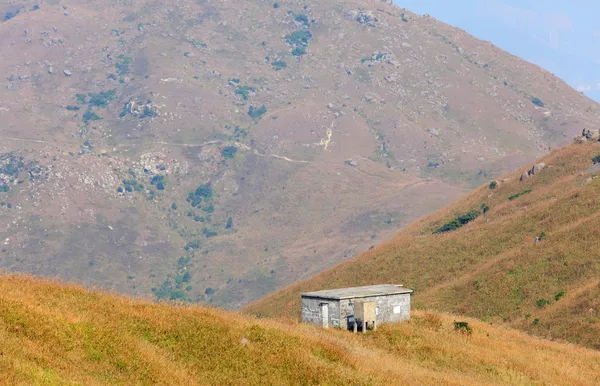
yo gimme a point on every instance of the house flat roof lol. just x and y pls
(358, 292)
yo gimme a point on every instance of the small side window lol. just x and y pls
(397, 309)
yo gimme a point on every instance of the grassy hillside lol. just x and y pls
(493, 268)
(58, 334)
(216, 151)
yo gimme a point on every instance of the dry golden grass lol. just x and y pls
(492, 269)
(51, 333)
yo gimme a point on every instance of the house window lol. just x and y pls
(397, 309)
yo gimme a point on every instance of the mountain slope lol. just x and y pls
(218, 150)
(59, 334)
(493, 268)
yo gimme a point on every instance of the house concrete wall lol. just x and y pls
(311, 311)
(342, 311)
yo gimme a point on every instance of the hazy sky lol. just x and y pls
(563, 36)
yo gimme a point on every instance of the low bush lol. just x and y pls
(229, 151)
(541, 303)
(537, 102)
(102, 98)
(11, 14)
(458, 222)
(279, 65)
(301, 18)
(159, 181)
(463, 327)
(89, 115)
(517, 195)
(203, 192)
(244, 91)
(192, 245)
(256, 113)
(298, 38)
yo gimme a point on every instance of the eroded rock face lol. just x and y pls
(524, 176)
(537, 168)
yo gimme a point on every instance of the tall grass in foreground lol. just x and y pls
(59, 334)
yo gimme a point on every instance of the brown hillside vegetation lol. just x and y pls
(492, 268)
(114, 112)
(59, 334)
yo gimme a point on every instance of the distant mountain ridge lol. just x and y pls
(219, 150)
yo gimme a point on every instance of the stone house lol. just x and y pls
(336, 308)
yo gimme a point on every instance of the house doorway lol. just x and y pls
(325, 314)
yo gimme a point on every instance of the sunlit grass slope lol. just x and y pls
(491, 268)
(52, 333)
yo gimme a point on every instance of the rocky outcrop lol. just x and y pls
(536, 169)
(590, 134)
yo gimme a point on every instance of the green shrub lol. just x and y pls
(89, 115)
(279, 65)
(485, 208)
(198, 44)
(10, 14)
(229, 223)
(209, 291)
(298, 38)
(203, 192)
(192, 245)
(299, 51)
(81, 98)
(208, 233)
(493, 185)
(542, 302)
(183, 260)
(301, 18)
(463, 327)
(174, 206)
(559, 295)
(229, 151)
(148, 112)
(244, 91)
(158, 181)
(458, 222)
(537, 102)
(102, 98)
(536, 321)
(515, 196)
(256, 113)
(122, 67)
(72, 108)
(596, 159)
